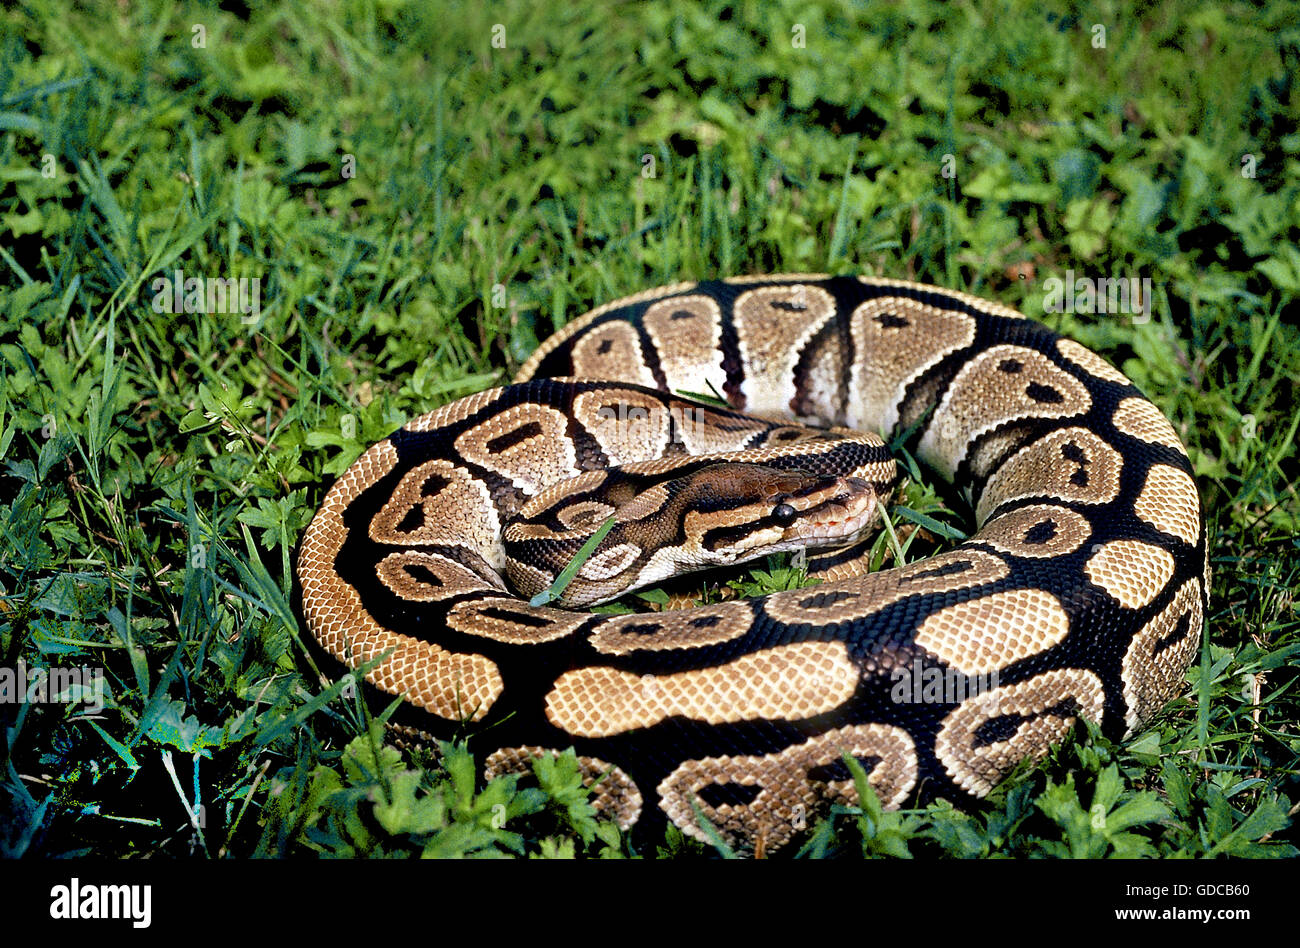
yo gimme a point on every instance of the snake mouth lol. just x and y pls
(844, 527)
(848, 509)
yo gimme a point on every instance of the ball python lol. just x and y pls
(1081, 593)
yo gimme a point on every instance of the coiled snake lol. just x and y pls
(1082, 593)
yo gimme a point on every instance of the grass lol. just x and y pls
(421, 207)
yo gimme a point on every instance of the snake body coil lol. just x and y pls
(1082, 593)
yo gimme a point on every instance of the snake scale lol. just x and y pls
(1082, 593)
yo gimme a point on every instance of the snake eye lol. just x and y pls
(784, 514)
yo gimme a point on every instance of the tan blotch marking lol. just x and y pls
(792, 790)
(458, 511)
(1002, 384)
(513, 621)
(427, 577)
(448, 684)
(1073, 464)
(612, 351)
(613, 792)
(1034, 714)
(855, 598)
(576, 327)
(1130, 570)
(789, 682)
(687, 332)
(611, 562)
(895, 341)
(1039, 530)
(579, 325)
(629, 426)
(984, 635)
(1143, 420)
(694, 628)
(1170, 503)
(1155, 665)
(1090, 362)
(773, 324)
(526, 444)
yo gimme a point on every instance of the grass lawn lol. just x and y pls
(421, 194)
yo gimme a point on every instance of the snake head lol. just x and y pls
(748, 511)
(714, 515)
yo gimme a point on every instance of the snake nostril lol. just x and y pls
(784, 514)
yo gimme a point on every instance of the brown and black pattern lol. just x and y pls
(1082, 593)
